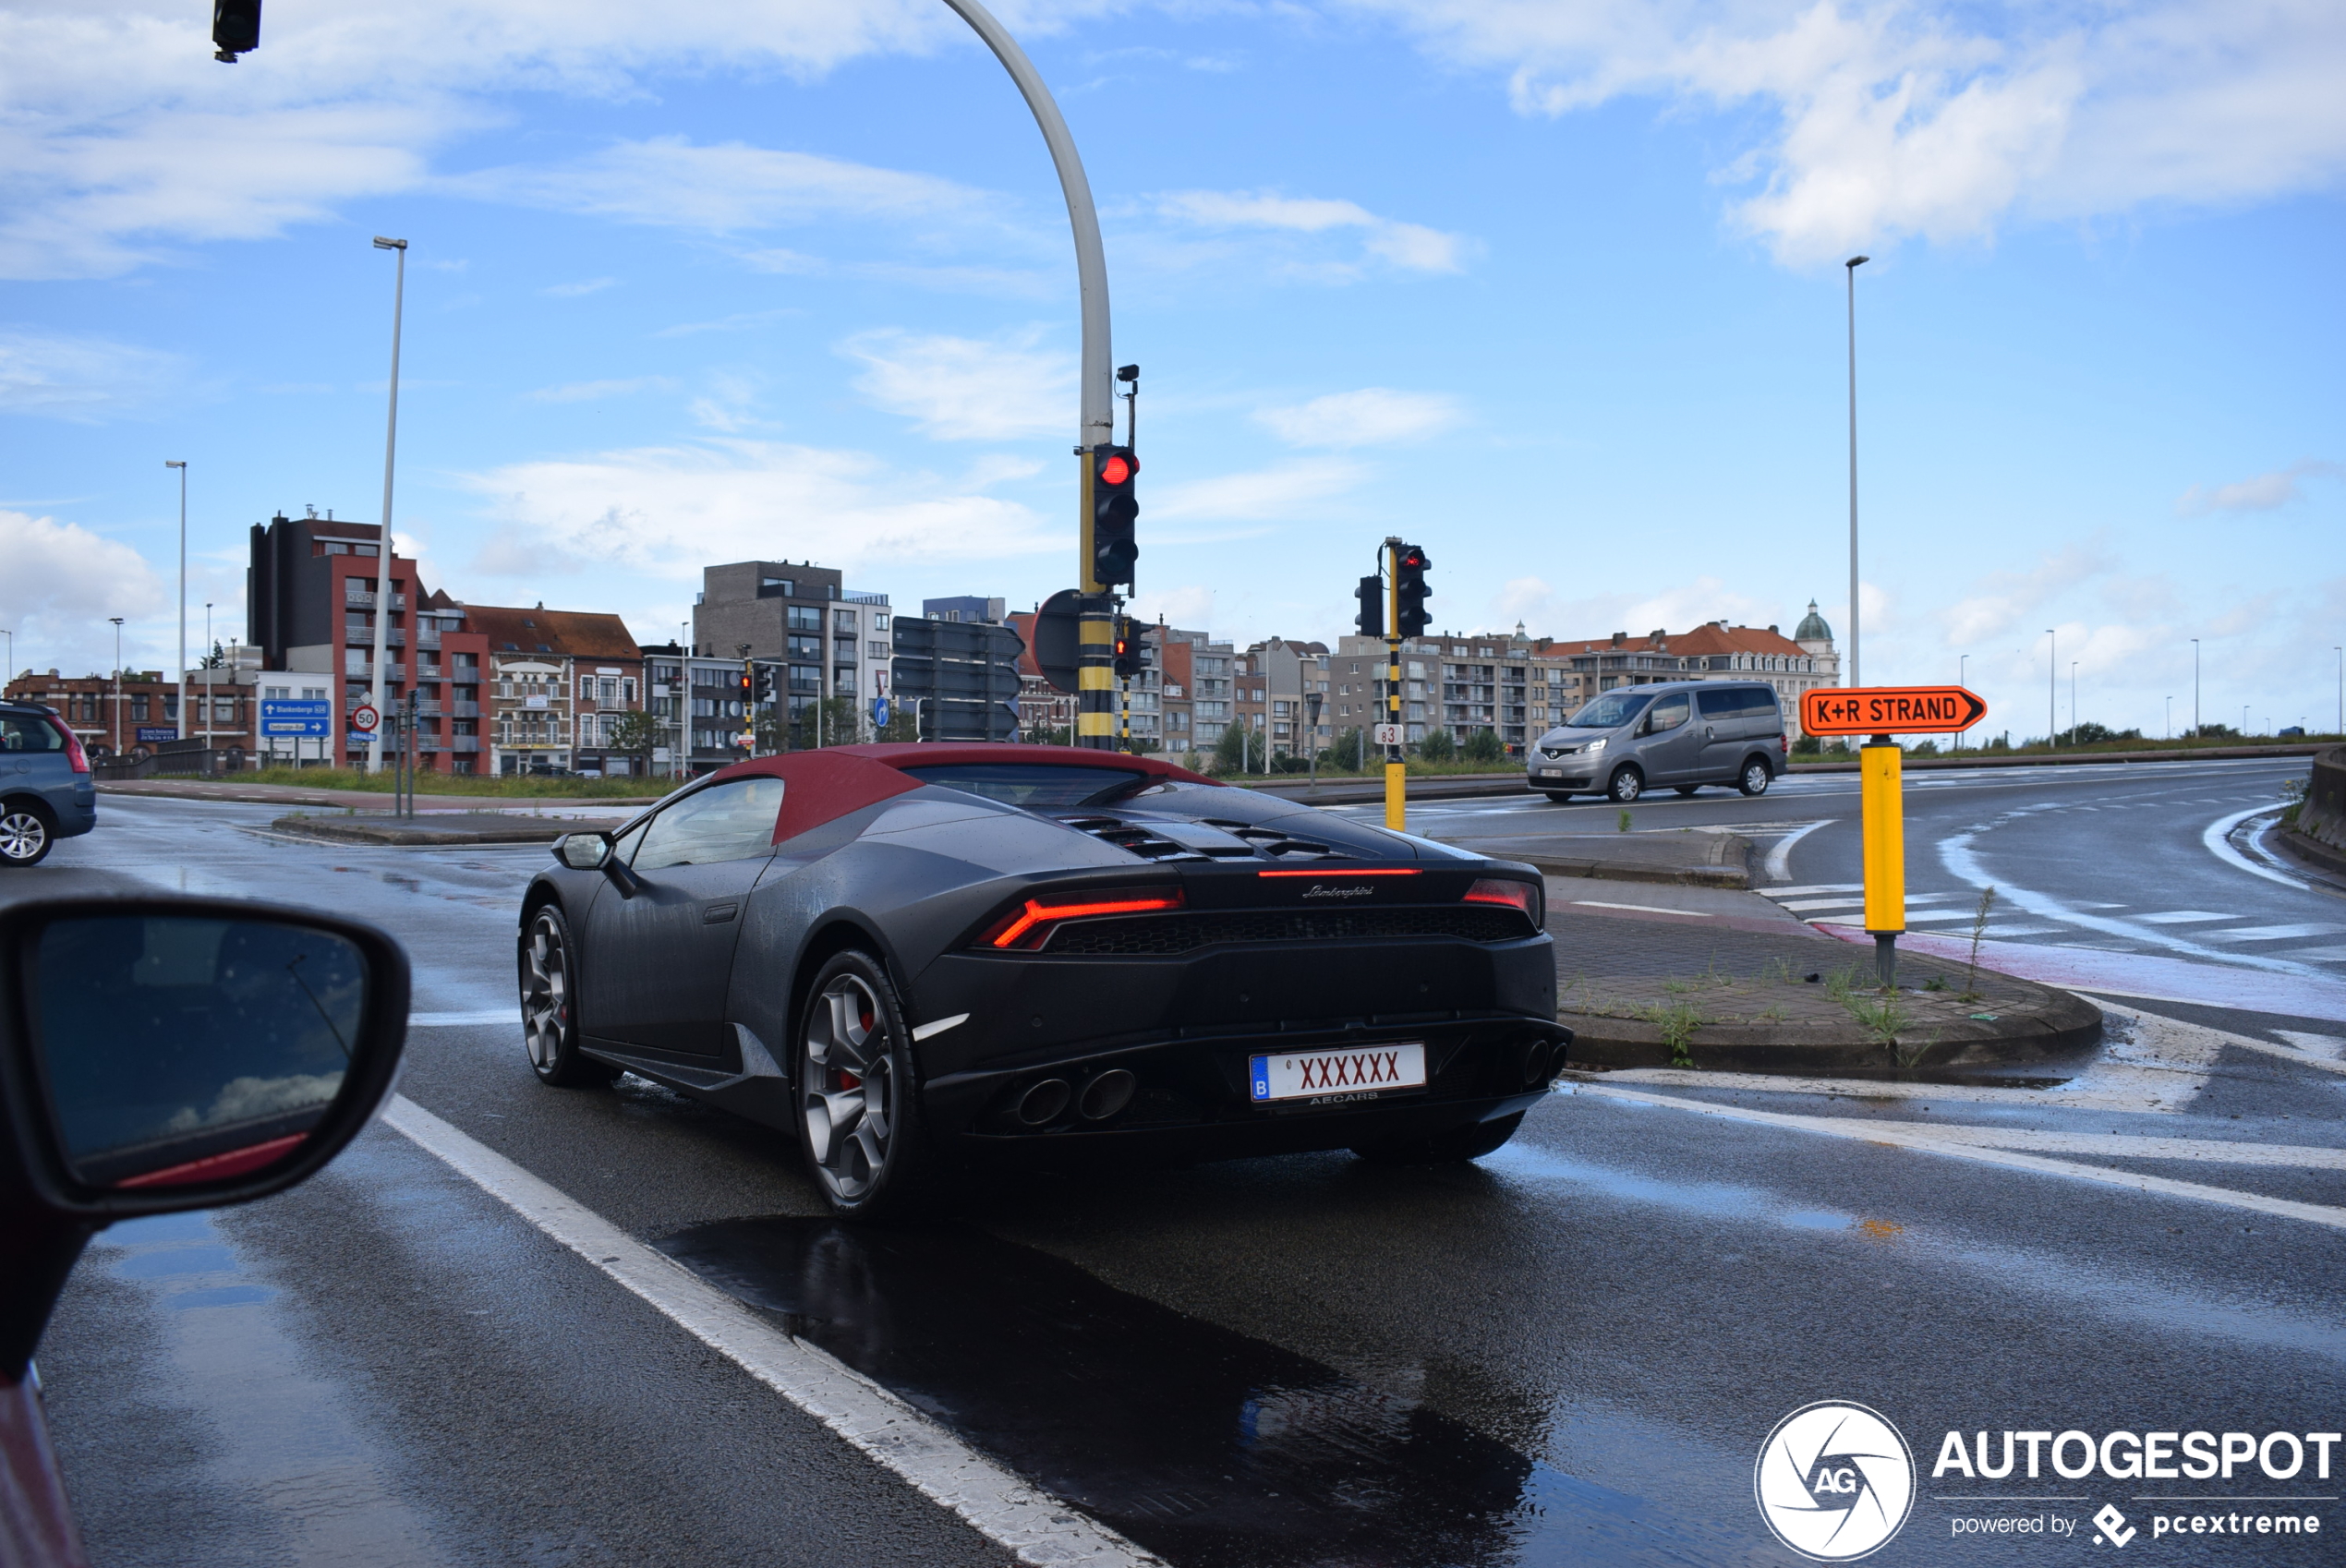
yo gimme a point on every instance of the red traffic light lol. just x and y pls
(1119, 468)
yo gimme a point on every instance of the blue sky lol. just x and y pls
(1552, 290)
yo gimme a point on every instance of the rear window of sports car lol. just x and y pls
(1043, 786)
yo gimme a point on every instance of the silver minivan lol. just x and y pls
(1680, 735)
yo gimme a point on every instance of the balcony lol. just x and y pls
(429, 672)
(464, 743)
(465, 709)
(363, 599)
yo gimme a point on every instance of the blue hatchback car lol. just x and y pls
(46, 792)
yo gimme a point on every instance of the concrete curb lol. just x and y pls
(1724, 862)
(2080, 759)
(2316, 856)
(413, 831)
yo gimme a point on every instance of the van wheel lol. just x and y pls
(1756, 775)
(25, 835)
(1685, 788)
(1626, 784)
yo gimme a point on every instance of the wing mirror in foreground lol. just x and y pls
(595, 851)
(166, 1054)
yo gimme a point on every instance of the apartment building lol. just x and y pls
(831, 641)
(557, 682)
(1713, 651)
(1291, 673)
(313, 590)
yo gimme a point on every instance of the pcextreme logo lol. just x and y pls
(1835, 1481)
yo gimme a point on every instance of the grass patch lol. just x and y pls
(464, 784)
(1677, 1021)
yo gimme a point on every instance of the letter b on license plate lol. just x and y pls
(1333, 1077)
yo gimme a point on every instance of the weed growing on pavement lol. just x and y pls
(1979, 930)
(1624, 826)
(1883, 1016)
(1677, 1021)
(1937, 982)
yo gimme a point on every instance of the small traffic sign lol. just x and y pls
(879, 712)
(1388, 734)
(364, 718)
(1890, 710)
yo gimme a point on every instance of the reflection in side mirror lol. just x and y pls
(185, 1049)
(582, 851)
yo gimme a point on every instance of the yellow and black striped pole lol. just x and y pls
(1395, 770)
(1095, 631)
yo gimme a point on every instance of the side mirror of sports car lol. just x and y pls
(161, 1054)
(592, 851)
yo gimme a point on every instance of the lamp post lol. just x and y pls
(382, 550)
(2073, 699)
(118, 685)
(2195, 688)
(2168, 732)
(2341, 652)
(1850, 267)
(208, 668)
(1962, 665)
(182, 466)
(2052, 688)
(10, 672)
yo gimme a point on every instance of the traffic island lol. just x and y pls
(1689, 857)
(1754, 1002)
(446, 829)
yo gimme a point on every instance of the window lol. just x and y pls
(805, 618)
(843, 619)
(879, 620)
(275, 693)
(1036, 786)
(876, 650)
(22, 734)
(727, 822)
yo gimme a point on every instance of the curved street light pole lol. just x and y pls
(380, 695)
(1095, 415)
(168, 463)
(1851, 267)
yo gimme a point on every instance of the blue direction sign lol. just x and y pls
(153, 733)
(879, 712)
(310, 716)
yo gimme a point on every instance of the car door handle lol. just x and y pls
(1709, 733)
(717, 914)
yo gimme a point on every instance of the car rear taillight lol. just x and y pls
(1030, 925)
(75, 755)
(1514, 895)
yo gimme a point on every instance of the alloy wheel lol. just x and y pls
(23, 837)
(545, 992)
(851, 1090)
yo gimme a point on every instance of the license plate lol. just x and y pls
(1552, 773)
(1336, 1077)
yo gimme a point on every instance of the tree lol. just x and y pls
(839, 724)
(1437, 746)
(1344, 755)
(1485, 745)
(1234, 750)
(633, 734)
(903, 723)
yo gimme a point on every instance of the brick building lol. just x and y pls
(131, 717)
(557, 682)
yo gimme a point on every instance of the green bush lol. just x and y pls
(1437, 746)
(1485, 745)
(1344, 755)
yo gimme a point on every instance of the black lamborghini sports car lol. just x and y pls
(917, 957)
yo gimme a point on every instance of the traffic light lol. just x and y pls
(235, 27)
(1114, 548)
(1371, 593)
(748, 687)
(765, 685)
(1128, 649)
(1409, 567)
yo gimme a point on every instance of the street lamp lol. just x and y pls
(2073, 699)
(2168, 733)
(2052, 688)
(10, 672)
(118, 685)
(2195, 688)
(1850, 267)
(207, 676)
(2341, 652)
(1961, 672)
(182, 466)
(382, 549)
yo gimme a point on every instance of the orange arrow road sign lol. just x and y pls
(1888, 710)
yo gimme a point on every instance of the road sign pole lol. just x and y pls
(1396, 771)
(1882, 808)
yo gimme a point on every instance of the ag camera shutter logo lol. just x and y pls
(1835, 1481)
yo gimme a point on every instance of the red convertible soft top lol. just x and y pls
(822, 785)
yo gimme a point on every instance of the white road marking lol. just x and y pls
(1654, 909)
(2179, 917)
(1821, 887)
(1823, 903)
(1027, 1521)
(1932, 1140)
(2329, 1045)
(2274, 932)
(2328, 955)
(1779, 864)
(459, 1020)
(2217, 840)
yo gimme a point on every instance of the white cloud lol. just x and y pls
(577, 290)
(670, 182)
(595, 392)
(1191, 606)
(1931, 118)
(1291, 492)
(81, 378)
(664, 512)
(1412, 247)
(968, 389)
(2004, 598)
(60, 584)
(2266, 492)
(1372, 416)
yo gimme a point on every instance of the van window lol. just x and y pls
(1736, 701)
(1609, 712)
(1669, 712)
(21, 734)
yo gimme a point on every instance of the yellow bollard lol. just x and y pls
(1882, 813)
(1395, 791)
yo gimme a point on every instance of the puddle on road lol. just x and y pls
(1210, 1447)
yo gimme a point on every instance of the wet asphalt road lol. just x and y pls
(1570, 1352)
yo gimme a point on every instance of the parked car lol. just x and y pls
(1679, 735)
(910, 958)
(47, 790)
(159, 1054)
